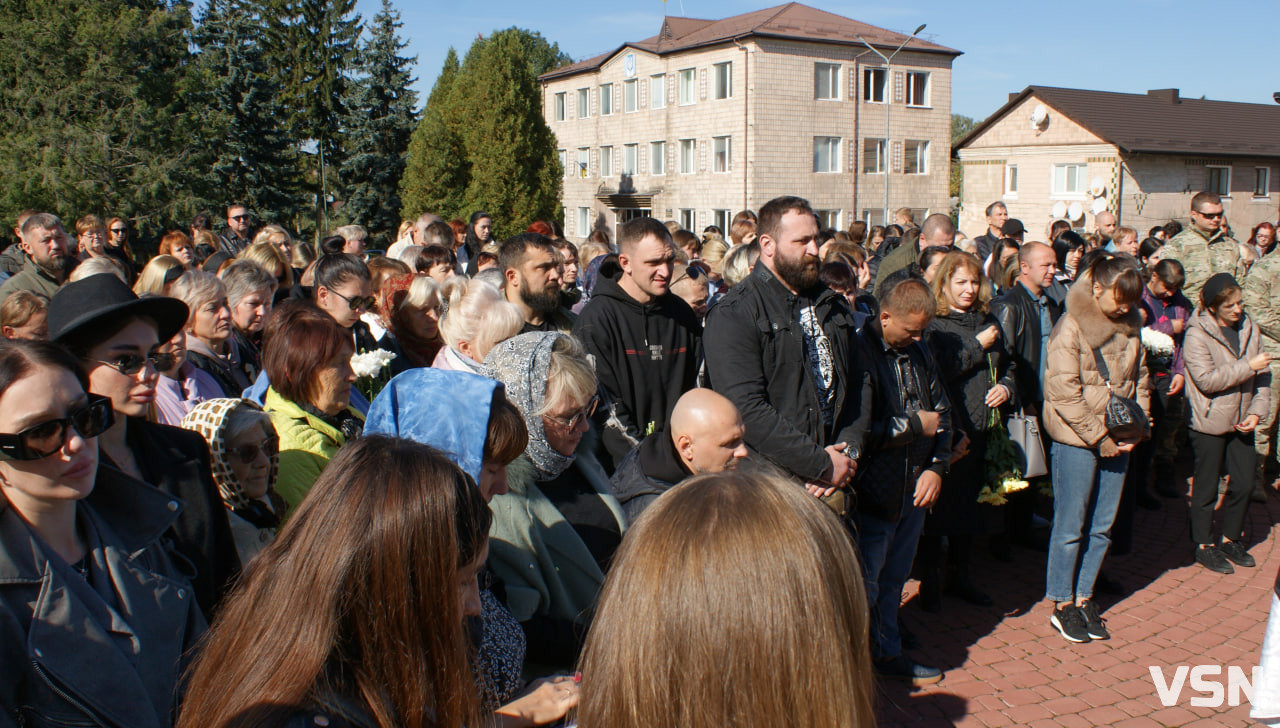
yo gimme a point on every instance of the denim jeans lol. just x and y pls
(1086, 495)
(887, 549)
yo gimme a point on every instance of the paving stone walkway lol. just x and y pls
(1007, 666)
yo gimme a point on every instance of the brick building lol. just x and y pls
(710, 117)
(1050, 152)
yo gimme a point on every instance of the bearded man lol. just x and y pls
(531, 280)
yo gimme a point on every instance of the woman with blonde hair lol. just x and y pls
(272, 260)
(476, 318)
(211, 345)
(692, 631)
(739, 262)
(411, 307)
(277, 237)
(91, 234)
(158, 275)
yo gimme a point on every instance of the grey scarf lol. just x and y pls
(521, 364)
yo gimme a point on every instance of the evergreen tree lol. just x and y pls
(436, 173)
(380, 122)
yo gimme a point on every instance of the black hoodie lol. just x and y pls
(645, 355)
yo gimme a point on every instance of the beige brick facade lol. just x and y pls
(769, 124)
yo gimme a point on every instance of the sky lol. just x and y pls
(1121, 45)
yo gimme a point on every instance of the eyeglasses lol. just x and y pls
(1210, 215)
(119, 231)
(583, 414)
(249, 453)
(692, 270)
(239, 217)
(131, 364)
(40, 441)
(357, 302)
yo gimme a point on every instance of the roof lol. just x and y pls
(1158, 122)
(792, 21)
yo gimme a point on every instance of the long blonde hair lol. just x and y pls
(736, 601)
(942, 282)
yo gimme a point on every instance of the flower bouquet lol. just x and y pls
(371, 372)
(1003, 462)
(1159, 348)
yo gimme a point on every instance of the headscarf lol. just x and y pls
(521, 363)
(209, 419)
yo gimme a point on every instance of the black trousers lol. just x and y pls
(1212, 451)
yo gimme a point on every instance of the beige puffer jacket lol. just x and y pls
(1075, 395)
(1222, 389)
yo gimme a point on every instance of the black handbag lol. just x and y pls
(1123, 417)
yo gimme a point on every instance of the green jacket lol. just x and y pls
(1262, 300)
(307, 444)
(902, 256)
(1202, 257)
(31, 278)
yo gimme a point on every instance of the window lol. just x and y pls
(584, 103)
(564, 161)
(606, 99)
(826, 81)
(1011, 180)
(689, 219)
(606, 161)
(722, 219)
(873, 217)
(560, 106)
(721, 154)
(916, 160)
(584, 161)
(1068, 179)
(917, 88)
(658, 91)
(630, 158)
(1219, 180)
(873, 156)
(1262, 182)
(873, 82)
(826, 154)
(630, 96)
(724, 80)
(688, 86)
(584, 221)
(828, 219)
(688, 156)
(657, 158)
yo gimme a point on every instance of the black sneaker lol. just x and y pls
(905, 669)
(1212, 558)
(1235, 551)
(1093, 624)
(1070, 622)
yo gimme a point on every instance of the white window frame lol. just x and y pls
(869, 85)
(1082, 172)
(832, 216)
(584, 162)
(584, 103)
(721, 158)
(832, 73)
(631, 159)
(722, 219)
(722, 74)
(1261, 183)
(564, 161)
(606, 161)
(606, 99)
(877, 153)
(1011, 181)
(909, 93)
(630, 96)
(832, 144)
(688, 218)
(1226, 191)
(687, 81)
(688, 161)
(584, 221)
(561, 104)
(658, 91)
(921, 147)
(658, 158)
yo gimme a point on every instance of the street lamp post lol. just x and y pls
(888, 79)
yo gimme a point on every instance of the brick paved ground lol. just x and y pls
(1007, 666)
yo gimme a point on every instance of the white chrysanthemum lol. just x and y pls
(1156, 342)
(370, 363)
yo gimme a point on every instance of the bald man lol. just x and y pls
(1106, 224)
(704, 436)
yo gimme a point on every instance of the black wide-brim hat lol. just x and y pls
(76, 307)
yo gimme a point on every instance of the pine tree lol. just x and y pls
(380, 121)
(436, 173)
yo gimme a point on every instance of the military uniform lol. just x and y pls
(1262, 303)
(1202, 256)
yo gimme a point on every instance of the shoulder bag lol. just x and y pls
(1124, 419)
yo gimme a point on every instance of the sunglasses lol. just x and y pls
(119, 231)
(692, 270)
(42, 440)
(583, 414)
(239, 217)
(131, 364)
(248, 454)
(357, 302)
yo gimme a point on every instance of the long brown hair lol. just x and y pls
(725, 584)
(941, 283)
(357, 600)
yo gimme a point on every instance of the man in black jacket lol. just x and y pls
(645, 342)
(783, 348)
(908, 449)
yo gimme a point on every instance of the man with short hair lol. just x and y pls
(355, 237)
(531, 280)
(646, 343)
(14, 256)
(48, 260)
(938, 230)
(783, 348)
(1013, 230)
(1105, 222)
(997, 213)
(904, 218)
(1202, 248)
(704, 436)
(907, 449)
(238, 234)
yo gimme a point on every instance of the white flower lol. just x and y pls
(369, 363)
(1156, 342)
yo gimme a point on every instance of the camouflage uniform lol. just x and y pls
(1203, 256)
(1262, 303)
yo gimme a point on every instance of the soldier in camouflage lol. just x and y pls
(1203, 248)
(1262, 302)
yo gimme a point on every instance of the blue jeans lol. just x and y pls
(1086, 495)
(887, 549)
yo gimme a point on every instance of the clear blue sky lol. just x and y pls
(1118, 45)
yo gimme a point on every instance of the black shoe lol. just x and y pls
(905, 669)
(907, 638)
(965, 589)
(1070, 622)
(930, 596)
(1093, 624)
(1212, 558)
(1235, 551)
(1107, 585)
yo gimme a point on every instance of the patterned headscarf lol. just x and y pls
(521, 363)
(209, 419)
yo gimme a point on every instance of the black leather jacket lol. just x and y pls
(1019, 317)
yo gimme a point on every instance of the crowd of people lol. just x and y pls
(461, 482)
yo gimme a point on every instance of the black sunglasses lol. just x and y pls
(249, 453)
(239, 217)
(1210, 215)
(119, 231)
(357, 302)
(42, 440)
(131, 364)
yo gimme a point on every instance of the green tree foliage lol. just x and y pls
(960, 125)
(436, 172)
(380, 120)
(543, 56)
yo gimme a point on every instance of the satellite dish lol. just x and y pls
(1039, 115)
(1059, 210)
(1097, 186)
(1099, 205)
(1075, 211)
